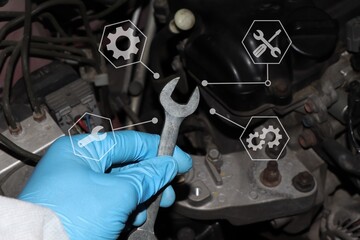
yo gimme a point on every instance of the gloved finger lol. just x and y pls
(135, 146)
(119, 147)
(183, 160)
(146, 178)
(141, 215)
(167, 197)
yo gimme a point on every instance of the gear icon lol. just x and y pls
(251, 145)
(275, 131)
(129, 33)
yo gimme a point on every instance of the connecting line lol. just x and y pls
(213, 112)
(267, 71)
(205, 83)
(154, 121)
(155, 75)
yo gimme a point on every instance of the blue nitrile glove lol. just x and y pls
(93, 204)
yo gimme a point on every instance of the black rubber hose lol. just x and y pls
(7, 85)
(342, 157)
(34, 158)
(25, 59)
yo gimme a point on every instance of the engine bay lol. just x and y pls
(275, 140)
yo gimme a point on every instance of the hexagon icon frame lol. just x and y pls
(112, 131)
(264, 159)
(120, 24)
(250, 55)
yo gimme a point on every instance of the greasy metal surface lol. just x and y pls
(242, 198)
(174, 115)
(35, 137)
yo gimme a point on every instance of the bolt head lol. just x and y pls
(214, 153)
(304, 182)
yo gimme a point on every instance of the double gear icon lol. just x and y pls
(262, 136)
(267, 142)
(129, 34)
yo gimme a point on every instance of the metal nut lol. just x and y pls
(304, 182)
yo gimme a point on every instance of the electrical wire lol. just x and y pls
(34, 158)
(6, 16)
(108, 10)
(40, 8)
(7, 84)
(55, 55)
(54, 23)
(49, 55)
(131, 114)
(25, 59)
(66, 40)
(47, 46)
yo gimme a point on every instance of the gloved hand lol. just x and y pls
(93, 204)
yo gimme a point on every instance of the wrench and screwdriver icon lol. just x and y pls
(275, 51)
(93, 137)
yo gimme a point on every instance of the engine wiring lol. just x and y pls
(7, 84)
(36, 46)
(26, 59)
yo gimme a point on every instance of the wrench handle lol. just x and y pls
(167, 144)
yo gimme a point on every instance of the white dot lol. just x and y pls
(212, 111)
(267, 83)
(156, 75)
(204, 83)
(154, 120)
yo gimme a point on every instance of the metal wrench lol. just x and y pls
(273, 50)
(174, 115)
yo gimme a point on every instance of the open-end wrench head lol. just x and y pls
(275, 52)
(259, 35)
(175, 109)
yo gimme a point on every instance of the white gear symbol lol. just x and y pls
(132, 39)
(250, 143)
(275, 131)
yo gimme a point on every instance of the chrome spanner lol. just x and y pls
(273, 50)
(174, 115)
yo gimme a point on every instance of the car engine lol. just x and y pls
(275, 140)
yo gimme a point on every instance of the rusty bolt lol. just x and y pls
(304, 182)
(307, 139)
(39, 117)
(270, 176)
(15, 131)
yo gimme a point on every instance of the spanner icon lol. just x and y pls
(275, 51)
(94, 136)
